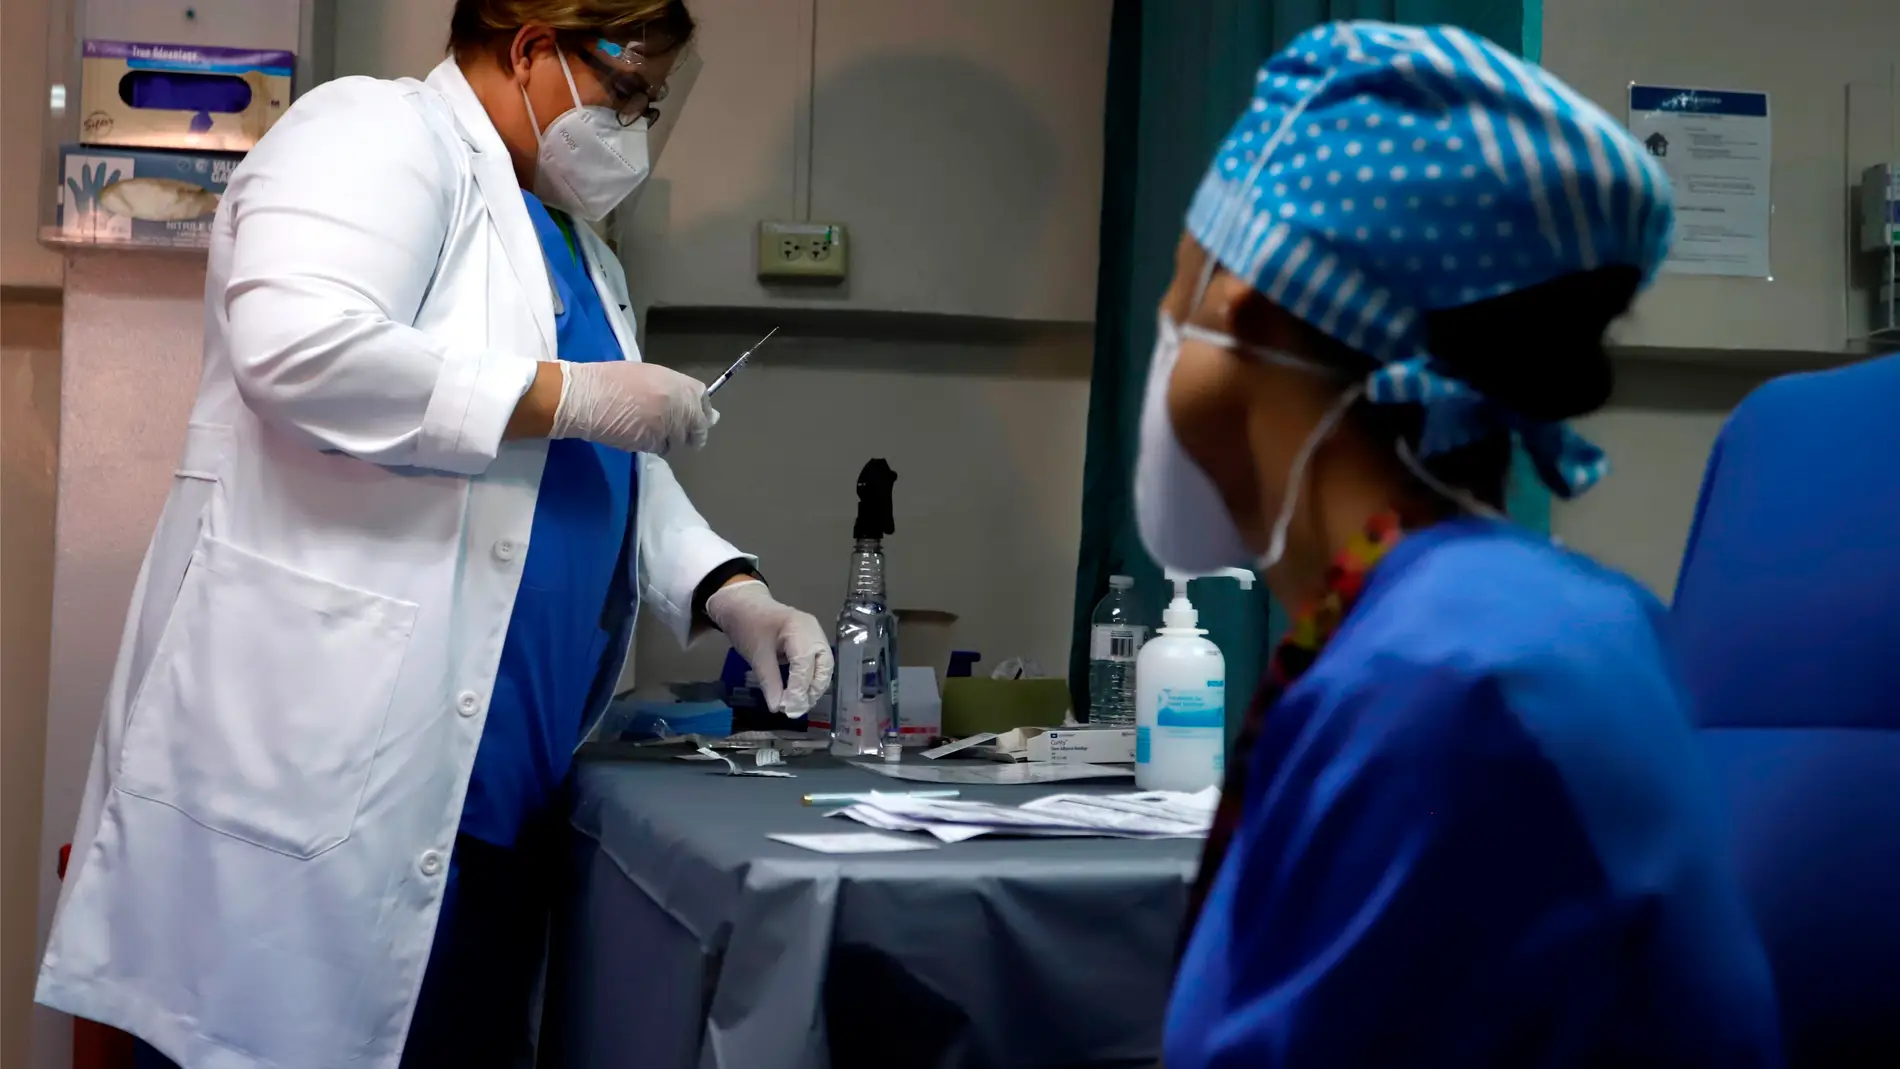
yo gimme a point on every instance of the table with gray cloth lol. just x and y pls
(687, 939)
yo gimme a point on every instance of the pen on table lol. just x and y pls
(739, 363)
(851, 798)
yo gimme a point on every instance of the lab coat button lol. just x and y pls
(469, 703)
(430, 863)
(506, 549)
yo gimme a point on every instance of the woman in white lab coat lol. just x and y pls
(421, 498)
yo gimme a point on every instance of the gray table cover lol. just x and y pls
(688, 939)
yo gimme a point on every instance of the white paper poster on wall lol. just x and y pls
(1714, 144)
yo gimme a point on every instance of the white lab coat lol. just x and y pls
(307, 663)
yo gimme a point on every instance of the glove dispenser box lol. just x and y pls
(139, 197)
(196, 98)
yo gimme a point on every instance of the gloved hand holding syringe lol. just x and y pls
(638, 407)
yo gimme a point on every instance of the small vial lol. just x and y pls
(893, 748)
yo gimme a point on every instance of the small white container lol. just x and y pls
(1181, 700)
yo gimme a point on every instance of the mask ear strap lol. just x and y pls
(532, 120)
(1258, 352)
(572, 89)
(1462, 498)
(1296, 476)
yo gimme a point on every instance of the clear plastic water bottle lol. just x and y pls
(864, 648)
(1116, 634)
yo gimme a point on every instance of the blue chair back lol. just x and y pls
(1788, 617)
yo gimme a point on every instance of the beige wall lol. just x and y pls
(1804, 55)
(1659, 429)
(391, 38)
(132, 342)
(1638, 519)
(29, 429)
(23, 261)
(29, 435)
(986, 436)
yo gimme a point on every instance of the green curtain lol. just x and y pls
(1179, 73)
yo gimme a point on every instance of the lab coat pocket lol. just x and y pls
(265, 701)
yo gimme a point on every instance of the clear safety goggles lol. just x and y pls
(624, 70)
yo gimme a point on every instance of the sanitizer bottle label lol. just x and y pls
(1193, 707)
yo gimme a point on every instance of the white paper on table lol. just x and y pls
(853, 842)
(1149, 813)
(893, 822)
(1143, 815)
(1038, 772)
(961, 744)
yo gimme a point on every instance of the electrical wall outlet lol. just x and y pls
(802, 252)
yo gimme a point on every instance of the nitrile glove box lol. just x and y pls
(159, 200)
(181, 96)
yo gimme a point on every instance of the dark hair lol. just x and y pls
(1538, 352)
(490, 25)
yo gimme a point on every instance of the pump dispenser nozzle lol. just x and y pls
(1180, 615)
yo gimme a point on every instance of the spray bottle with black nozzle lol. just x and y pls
(864, 707)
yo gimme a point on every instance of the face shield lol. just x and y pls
(645, 89)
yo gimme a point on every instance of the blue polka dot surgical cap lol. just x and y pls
(1382, 172)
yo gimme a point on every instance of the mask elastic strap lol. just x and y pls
(1462, 498)
(1259, 352)
(572, 89)
(1296, 477)
(532, 120)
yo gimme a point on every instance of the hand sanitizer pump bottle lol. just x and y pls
(1181, 698)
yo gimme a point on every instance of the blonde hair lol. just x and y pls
(490, 25)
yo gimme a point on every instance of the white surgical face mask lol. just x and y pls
(1183, 520)
(589, 163)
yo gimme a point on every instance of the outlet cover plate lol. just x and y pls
(802, 252)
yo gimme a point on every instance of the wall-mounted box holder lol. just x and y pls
(251, 57)
(1880, 239)
(181, 96)
(140, 198)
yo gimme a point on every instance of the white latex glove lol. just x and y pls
(765, 631)
(638, 407)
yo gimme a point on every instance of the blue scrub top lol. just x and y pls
(574, 599)
(1477, 833)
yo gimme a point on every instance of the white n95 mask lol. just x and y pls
(588, 162)
(1183, 520)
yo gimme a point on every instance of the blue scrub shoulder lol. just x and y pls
(1572, 654)
(1477, 831)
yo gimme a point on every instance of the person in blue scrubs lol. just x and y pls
(479, 987)
(1465, 823)
(573, 612)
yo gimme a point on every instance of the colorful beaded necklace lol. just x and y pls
(1311, 629)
